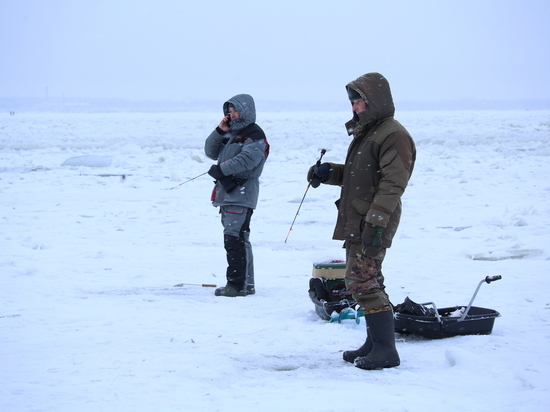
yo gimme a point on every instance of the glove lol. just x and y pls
(318, 174)
(216, 172)
(372, 240)
(229, 184)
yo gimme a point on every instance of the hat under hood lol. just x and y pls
(244, 104)
(374, 89)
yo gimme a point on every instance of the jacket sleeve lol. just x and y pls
(397, 156)
(251, 155)
(337, 174)
(213, 144)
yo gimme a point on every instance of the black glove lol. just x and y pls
(372, 240)
(228, 182)
(216, 172)
(318, 174)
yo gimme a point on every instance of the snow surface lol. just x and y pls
(90, 319)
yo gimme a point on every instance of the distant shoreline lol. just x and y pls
(96, 105)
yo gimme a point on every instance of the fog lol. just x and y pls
(295, 51)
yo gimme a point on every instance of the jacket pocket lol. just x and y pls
(235, 210)
(355, 221)
(362, 207)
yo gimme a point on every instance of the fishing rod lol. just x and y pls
(187, 181)
(323, 151)
(122, 176)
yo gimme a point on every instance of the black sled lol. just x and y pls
(431, 322)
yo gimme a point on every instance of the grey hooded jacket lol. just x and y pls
(241, 153)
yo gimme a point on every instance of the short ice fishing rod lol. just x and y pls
(187, 181)
(323, 151)
(204, 285)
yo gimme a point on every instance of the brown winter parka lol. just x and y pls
(379, 163)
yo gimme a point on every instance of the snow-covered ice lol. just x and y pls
(90, 319)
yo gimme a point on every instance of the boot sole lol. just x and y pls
(231, 293)
(371, 366)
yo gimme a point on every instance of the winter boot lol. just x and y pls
(351, 355)
(382, 333)
(229, 291)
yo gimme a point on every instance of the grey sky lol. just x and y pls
(300, 50)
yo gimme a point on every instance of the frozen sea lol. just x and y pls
(93, 241)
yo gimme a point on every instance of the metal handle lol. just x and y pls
(437, 315)
(488, 279)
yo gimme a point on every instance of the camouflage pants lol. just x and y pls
(364, 279)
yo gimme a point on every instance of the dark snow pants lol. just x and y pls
(236, 233)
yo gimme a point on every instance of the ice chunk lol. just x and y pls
(89, 161)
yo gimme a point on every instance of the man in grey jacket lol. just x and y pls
(241, 149)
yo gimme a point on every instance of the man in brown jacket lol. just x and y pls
(378, 166)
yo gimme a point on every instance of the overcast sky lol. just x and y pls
(299, 50)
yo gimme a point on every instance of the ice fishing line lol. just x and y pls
(323, 151)
(187, 181)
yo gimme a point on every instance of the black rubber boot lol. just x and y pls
(351, 355)
(382, 333)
